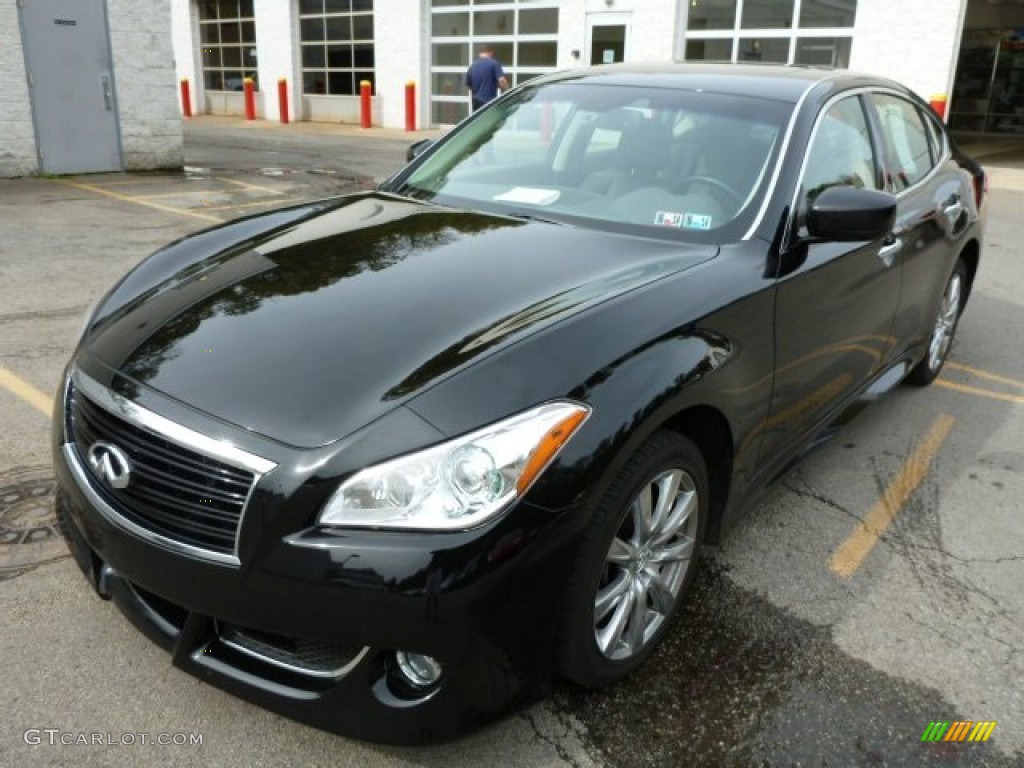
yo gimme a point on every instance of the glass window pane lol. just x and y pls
(362, 27)
(232, 57)
(339, 27)
(311, 6)
(448, 112)
(450, 55)
(230, 32)
(767, 14)
(709, 50)
(214, 80)
(909, 159)
(337, 6)
(249, 32)
(314, 82)
(442, 3)
(823, 51)
(711, 14)
(502, 51)
(207, 10)
(234, 80)
(770, 49)
(448, 83)
(827, 13)
(451, 24)
(246, 8)
(540, 21)
(363, 55)
(358, 77)
(227, 9)
(211, 57)
(209, 33)
(492, 23)
(340, 84)
(840, 153)
(362, 5)
(537, 55)
(312, 30)
(339, 56)
(313, 56)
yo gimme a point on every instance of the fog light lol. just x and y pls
(418, 670)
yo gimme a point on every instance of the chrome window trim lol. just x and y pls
(780, 161)
(331, 674)
(173, 432)
(868, 90)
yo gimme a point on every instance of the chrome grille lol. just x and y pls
(175, 492)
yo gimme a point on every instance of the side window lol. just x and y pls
(909, 157)
(840, 153)
(936, 137)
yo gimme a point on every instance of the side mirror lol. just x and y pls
(851, 214)
(417, 149)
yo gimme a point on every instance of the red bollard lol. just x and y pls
(186, 98)
(410, 106)
(938, 103)
(364, 103)
(250, 100)
(282, 99)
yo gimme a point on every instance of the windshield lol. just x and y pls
(657, 161)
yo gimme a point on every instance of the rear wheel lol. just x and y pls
(635, 563)
(943, 329)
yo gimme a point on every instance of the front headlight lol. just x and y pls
(460, 483)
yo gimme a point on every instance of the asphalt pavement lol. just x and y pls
(780, 658)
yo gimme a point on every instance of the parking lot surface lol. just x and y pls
(875, 589)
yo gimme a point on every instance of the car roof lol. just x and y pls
(782, 83)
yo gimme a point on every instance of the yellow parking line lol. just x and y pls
(137, 201)
(851, 553)
(21, 388)
(985, 374)
(256, 187)
(189, 193)
(946, 384)
(278, 201)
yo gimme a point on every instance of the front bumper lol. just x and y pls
(307, 625)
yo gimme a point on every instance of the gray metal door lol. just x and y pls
(71, 79)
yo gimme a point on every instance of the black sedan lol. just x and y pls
(390, 463)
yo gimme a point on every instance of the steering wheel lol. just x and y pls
(715, 184)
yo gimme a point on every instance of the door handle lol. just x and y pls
(891, 246)
(108, 94)
(953, 209)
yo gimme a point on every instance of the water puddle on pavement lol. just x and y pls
(739, 682)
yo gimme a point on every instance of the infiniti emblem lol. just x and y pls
(110, 464)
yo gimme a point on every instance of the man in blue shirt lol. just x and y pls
(484, 78)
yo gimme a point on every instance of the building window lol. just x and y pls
(337, 46)
(811, 32)
(523, 34)
(227, 31)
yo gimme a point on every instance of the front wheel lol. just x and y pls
(635, 562)
(943, 329)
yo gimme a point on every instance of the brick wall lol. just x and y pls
(17, 137)
(147, 90)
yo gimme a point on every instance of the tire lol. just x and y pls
(940, 339)
(617, 564)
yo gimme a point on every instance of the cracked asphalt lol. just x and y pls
(777, 659)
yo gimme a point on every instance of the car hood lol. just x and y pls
(320, 327)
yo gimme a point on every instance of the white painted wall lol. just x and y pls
(144, 79)
(913, 41)
(277, 52)
(17, 136)
(147, 91)
(401, 29)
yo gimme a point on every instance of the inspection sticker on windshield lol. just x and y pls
(531, 195)
(682, 220)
